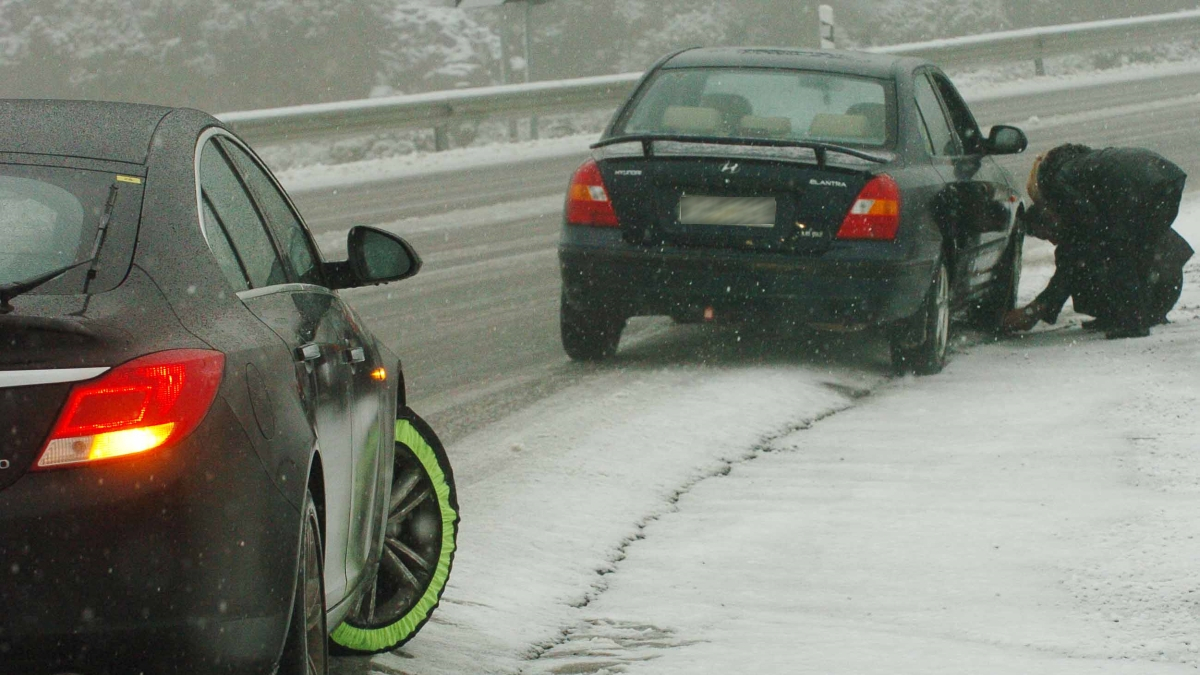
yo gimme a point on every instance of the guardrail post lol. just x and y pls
(441, 138)
(1039, 63)
(828, 35)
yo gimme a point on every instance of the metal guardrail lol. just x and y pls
(1036, 44)
(438, 109)
(431, 110)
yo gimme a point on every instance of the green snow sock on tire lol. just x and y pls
(393, 635)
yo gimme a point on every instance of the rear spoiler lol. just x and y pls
(822, 150)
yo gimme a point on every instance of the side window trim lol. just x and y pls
(210, 135)
(940, 83)
(257, 199)
(958, 142)
(237, 256)
(924, 74)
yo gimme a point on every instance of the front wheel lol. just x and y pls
(928, 355)
(419, 543)
(988, 314)
(306, 649)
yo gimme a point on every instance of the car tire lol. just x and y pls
(928, 356)
(306, 648)
(420, 539)
(988, 314)
(589, 336)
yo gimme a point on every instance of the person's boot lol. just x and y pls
(1095, 325)
(1127, 332)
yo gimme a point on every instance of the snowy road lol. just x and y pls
(478, 329)
(1031, 510)
(723, 503)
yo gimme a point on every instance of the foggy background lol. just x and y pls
(228, 55)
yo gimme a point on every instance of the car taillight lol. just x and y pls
(587, 198)
(876, 213)
(136, 407)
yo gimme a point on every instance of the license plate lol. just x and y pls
(739, 211)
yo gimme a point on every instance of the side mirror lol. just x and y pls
(378, 257)
(1006, 140)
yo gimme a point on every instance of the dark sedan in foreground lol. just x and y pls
(207, 464)
(836, 190)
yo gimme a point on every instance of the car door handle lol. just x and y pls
(356, 355)
(308, 352)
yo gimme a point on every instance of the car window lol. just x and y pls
(764, 103)
(228, 208)
(941, 136)
(286, 226)
(961, 119)
(227, 258)
(49, 219)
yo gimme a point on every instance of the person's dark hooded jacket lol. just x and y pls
(1115, 208)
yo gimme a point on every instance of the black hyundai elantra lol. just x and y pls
(206, 460)
(829, 189)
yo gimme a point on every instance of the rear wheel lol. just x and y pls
(928, 355)
(989, 313)
(419, 543)
(589, 336)
(306, 650)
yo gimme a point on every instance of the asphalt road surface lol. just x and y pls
(478, 328)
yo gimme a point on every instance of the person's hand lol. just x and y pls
(1022, 318)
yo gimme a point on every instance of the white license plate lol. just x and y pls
(739, 211)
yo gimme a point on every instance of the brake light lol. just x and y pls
(875, 214)
(134, 408)
(587, 198)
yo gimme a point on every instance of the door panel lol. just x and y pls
(351, 424)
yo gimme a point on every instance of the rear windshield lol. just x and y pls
(775, 104)
(50, 217)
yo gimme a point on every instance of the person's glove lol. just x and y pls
(1022, 318)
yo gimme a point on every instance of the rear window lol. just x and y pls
(789, 105)
(50, 218)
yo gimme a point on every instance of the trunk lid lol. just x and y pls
(731, 202)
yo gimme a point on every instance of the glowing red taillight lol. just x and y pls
(587, 199)
(136, 407)
(875, 215)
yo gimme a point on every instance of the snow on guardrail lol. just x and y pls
(439, 109)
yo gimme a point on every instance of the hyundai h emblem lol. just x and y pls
(729, 167)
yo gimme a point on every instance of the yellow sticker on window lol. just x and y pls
(129, 179)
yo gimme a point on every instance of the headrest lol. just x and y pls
(825, 125)
(766, 127)
(687, 119)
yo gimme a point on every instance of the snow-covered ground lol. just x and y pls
(1033, 509)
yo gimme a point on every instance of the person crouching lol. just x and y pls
(1109, 213)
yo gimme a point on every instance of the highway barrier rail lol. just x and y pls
(437, 110)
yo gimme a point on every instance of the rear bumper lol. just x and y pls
(845, 288)
(178, 562)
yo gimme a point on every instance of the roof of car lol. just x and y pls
(94, 129)
(852, 63)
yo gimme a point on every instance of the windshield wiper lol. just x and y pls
(17, 288)
(821, 149)
(101, 235)
(13, 289)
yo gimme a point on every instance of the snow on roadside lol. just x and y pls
(321, 176)
(557, 492)
(1029, 510)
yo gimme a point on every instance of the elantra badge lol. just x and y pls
(826, 183)
(730, 167)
